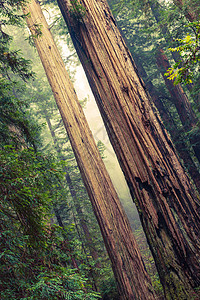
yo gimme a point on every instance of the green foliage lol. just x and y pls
(11, 13)
(60, 284)
(157, 285)
(77, 10)
(16, 128)
(37, 33)
(35, 263)
(108, 286)
(23, 176)
(189, 49)
(12, 60)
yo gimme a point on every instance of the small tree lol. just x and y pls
(189, 65)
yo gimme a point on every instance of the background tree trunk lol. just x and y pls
(181, 102)
(190, 8)
(66, 242)
(132, 279)
(164, 196)
(76, 202)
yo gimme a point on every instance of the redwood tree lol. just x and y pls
(132, 279)
(166, 200)
(181, 145)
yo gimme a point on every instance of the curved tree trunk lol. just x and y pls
(166, 201)
(132, 279)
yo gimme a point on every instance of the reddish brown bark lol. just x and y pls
(181, 102)
(167, 119)
(132, 279)
(190, 9)
(165, 199)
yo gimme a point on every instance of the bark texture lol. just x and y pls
(131, 276)
(168, 206)
(190, 9)
(181, 146)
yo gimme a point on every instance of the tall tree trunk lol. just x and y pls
(165, 198)
(180, 100)
(132, 279)
(66, 243)
(155, 8)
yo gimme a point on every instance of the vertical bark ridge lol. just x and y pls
(132, 279)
